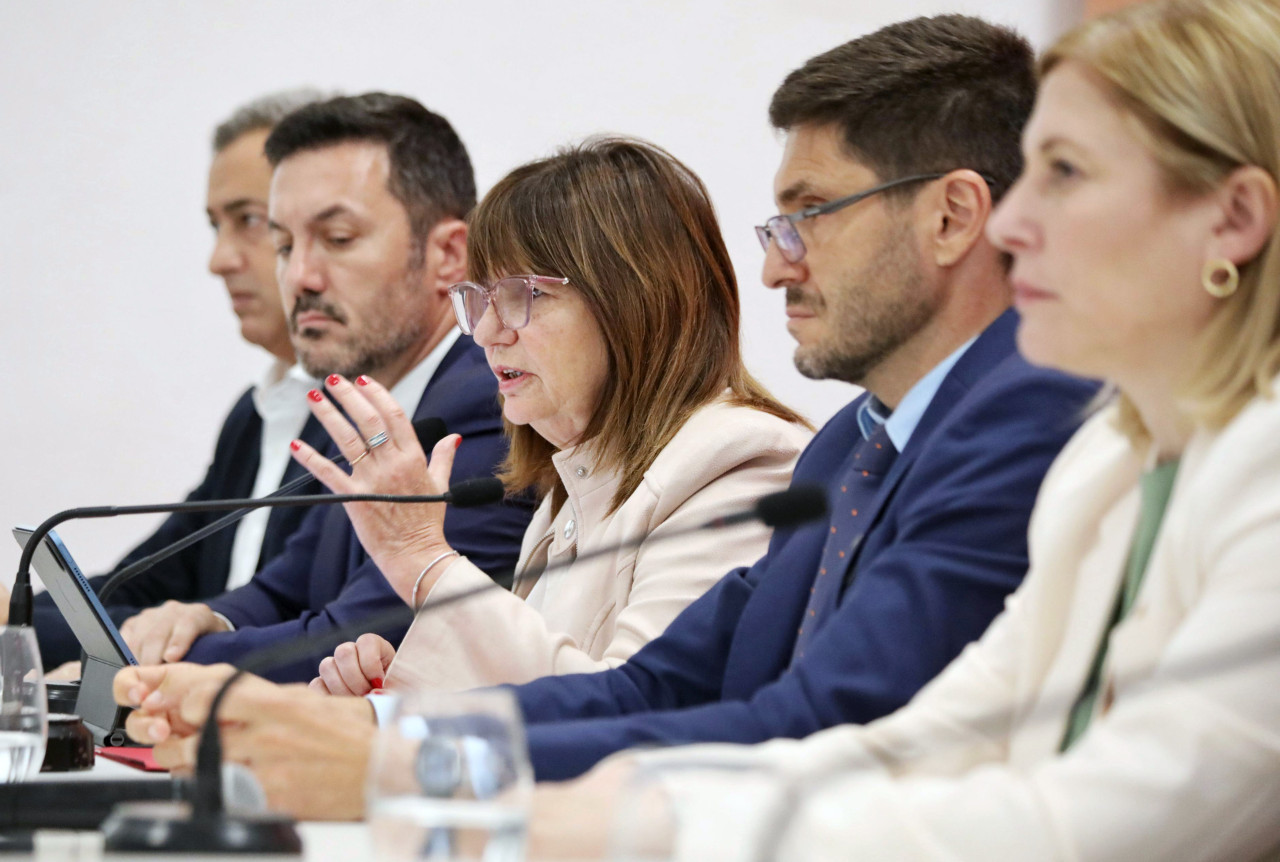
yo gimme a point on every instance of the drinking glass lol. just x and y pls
(450, 779)
(23, 712)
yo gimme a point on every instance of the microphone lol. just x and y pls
(94, 693)
(793, 506)
(796, 505)
(20, 603)
(207, 828)
(429, 430)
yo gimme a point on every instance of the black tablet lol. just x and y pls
(105, 651)
(98, 635)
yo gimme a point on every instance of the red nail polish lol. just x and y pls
(376, 682)
(315, 395)
(332, 379)
(362, 380)
(457, 442)
(295, 445)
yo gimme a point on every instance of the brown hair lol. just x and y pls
(1202, 83)
(921, 96)
(635, 233)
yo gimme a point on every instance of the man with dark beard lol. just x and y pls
(366, 213)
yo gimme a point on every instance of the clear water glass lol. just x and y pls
(24, 724)
(450, 779)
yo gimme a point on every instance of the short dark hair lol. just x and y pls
(922, 96)
(430, 170)
(262, 113)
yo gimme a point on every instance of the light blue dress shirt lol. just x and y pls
(900, 424)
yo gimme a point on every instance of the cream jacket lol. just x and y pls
(1183, 763)
(595, 614)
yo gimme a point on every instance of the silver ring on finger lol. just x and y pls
(360, 457)
(376, 440)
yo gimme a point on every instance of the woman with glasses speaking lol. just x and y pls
(608, 309)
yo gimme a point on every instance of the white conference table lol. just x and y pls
(321, 842)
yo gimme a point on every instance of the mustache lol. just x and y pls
(314, 302)
(797, 298)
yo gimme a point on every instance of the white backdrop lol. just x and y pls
(119, 352)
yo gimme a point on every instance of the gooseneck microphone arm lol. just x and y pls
(796, 505)
(429, 431)
(471, 492)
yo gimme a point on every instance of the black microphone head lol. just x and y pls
(798, 504)
(430, 430)
(476, 492)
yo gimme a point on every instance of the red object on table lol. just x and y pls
(135, 756)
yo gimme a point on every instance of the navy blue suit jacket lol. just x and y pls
(200, 571)
(324, 578)
(946, 544)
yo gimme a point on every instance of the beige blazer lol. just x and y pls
(595, 614)
(1184, 760)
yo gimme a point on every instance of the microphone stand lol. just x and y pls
(94, 697)
(208, 828)
(20, 612)
(429, 431)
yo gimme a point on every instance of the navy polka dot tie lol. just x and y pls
(868, 465)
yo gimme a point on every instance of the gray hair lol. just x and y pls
(263, 113)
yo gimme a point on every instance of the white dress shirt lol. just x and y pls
(281, 402)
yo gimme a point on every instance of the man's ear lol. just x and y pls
(446, 254)
(961, 204)
(1246, 219)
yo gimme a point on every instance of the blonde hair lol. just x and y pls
(1202, 80)
(635, 233)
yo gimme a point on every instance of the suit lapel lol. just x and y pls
(285, 519)
(993, 346)
(439, 392)
(1076, 567)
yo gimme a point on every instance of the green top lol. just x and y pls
(1156, 487)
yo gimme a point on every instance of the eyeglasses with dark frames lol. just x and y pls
(511, 297)
(781, 229)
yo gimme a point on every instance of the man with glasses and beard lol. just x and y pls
(366, 215)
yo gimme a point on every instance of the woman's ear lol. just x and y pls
(1248, 202)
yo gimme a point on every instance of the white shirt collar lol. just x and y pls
(408, 392)
(282, 391)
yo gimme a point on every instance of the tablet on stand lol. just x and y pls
(105, 651)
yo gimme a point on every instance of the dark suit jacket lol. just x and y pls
(946, 545)
(200, 571)
(324, 578)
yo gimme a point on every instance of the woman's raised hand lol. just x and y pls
(379, 443)
(355, 668)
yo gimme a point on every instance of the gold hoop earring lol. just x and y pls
(1220, 278)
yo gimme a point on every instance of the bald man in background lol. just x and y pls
(251, 456)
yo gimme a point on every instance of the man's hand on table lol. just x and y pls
(166, 632)
(310, 752)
